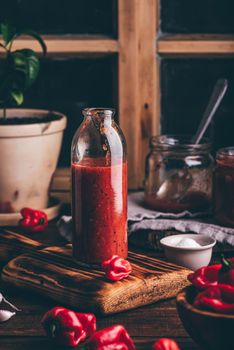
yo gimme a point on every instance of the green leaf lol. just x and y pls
(8, 32)
(17, 96)
(27, 63)
(18, 59)
(33, 66)
(36, 36)
(21, 67)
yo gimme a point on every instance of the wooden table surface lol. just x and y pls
(144, 324)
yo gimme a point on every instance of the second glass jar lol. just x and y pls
(224, 187)
(178, 174)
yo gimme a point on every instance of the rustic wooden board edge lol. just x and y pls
(143, 291)
(151, 295)
(97, 309)
(13, 244)
(45, 292)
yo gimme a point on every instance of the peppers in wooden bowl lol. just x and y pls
(209, 329)
(206, 308)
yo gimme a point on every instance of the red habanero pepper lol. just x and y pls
(33, 220)
(165, 344)
(219, 299)
(116, 268)
(114, 346)
(67, 327)
(206, 276)
(226, 273)
(88, 322)
(112, 338)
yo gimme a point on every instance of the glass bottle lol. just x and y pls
(224, 187)
(99, 188)
(178, 174)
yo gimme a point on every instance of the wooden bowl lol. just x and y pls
(208, 329)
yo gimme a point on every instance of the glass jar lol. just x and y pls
(99, 188)
(224, 187)
(178, 174)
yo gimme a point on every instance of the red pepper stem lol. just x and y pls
(226, 265)
(53, 329)
(41, 221)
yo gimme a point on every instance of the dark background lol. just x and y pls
(200, 16)
(187, 82)
(62, 16)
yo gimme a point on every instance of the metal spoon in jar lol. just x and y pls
(179, 182)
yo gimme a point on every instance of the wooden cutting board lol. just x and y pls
(53, 273)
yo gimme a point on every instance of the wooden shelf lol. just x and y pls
(196, 44)
(138, 113)
(70, 44)
(61, 185)
(61, 180)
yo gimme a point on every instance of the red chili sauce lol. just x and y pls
(192, 201)
(99, 208)
(224, 190)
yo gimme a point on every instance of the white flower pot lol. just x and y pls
(28, 159)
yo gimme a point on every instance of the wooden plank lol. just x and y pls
(38, 343)
(63, 172)
(129, 115)
(13, 243)
(148, 81)
(61, 185)
(63, 196)
(69, 44)
(157, 128)
(26, 343)
(26, 325)
(137, 81)
(52, 272)
(61, 180)
(196, 44)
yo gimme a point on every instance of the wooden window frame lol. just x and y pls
(138, 47)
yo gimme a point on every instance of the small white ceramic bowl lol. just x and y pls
(190, 257)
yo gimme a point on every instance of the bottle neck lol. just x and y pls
(99, 113)
(99, 139)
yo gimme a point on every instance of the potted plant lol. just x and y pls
(30, 140)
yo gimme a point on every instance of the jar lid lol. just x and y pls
(226, 152)
(225, 156)
(179, 143)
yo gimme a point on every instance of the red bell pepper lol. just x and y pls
(33, 220)
(226, 273)
(219, 299)
(207, 276)
(112, 338)
(67, 327)
(116, 268)
(165, 344)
